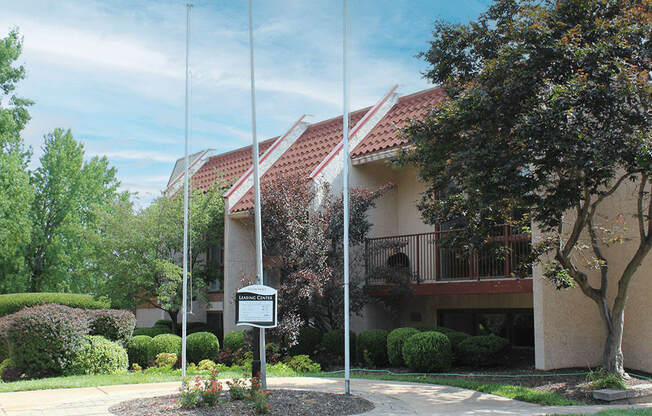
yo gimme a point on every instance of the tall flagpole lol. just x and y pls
(184, 306)
(345, 197)
(258, 226)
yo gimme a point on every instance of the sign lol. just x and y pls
(256, 305)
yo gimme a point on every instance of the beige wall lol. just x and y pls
(568, 329)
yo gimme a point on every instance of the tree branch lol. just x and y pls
(604, 264)
(639, 209)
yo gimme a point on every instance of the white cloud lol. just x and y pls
(152, 156)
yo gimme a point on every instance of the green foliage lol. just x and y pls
(234, 340)
(44, 339)
(165, 360)
(190, 397)
(153, 331)
(428, 352)
(456, 337)
(395, 340)
(303, 364)
(372, 347)
(14, 302)
(139, 250)
(206, 365)
(139, 350)
(164, 322)
(168, 343)
(98, 355)
(604, 380)
(202, 345)
(6, 363)
(113, 324)
(237, 388)
(307, 341)
(333, 343)
(484, 350)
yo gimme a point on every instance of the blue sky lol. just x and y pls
(113, 70)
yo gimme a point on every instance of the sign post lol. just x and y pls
(257, 306)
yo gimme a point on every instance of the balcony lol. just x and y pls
(423, 261)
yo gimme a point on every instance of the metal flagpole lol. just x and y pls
(345, 196)
(258, 226)
(184, 306)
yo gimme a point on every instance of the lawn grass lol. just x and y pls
(615, 412)
(524, 394)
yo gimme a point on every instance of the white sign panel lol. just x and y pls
(256, 305)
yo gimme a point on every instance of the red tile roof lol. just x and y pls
(231, 165)
(384, 135)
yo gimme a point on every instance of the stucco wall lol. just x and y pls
(568, 329)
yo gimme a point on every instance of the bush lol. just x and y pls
(427, 352)
(114, 324)
(333, 342)
(234, 340)
(307, 342)
(374, 342)
(5, 322)
(482, 351)
(194, 327)
(169, 343)
(202, 345)
(395, 341)
(16, 301)
(139, 350)
(441, 329)
(9, 372)
(98, 355)
(456, 338)
(165, 360)
(164, 322)
(603, 380)
(206, 365)
(44, 339)
(153, 331)
(303, 364)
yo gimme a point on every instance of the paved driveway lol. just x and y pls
(390, 398)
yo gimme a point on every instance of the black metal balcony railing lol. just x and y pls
(427, 261)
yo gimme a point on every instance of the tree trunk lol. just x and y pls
(174, 316)
(613, 348)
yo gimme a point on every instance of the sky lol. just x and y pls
(112, 71)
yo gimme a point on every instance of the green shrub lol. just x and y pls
(98, 355)
(427, 352)
(234, 340)
(202, 345)
(169, 343)
(374, 342)
(43, 339)
(441, 329)
(5, 364)
(206, 365)
(307, 342)
(333, 342)
(195, 327)
(164, 322)
(395, 340)
(602, 380)
(153, 331)
(114, 324)
(5, 323)
(139, 350)
(165, 360)
(14, 302)
(482, 351)
(303, 364)
(456, 338)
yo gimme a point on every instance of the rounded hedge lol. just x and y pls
(333, 342)
(374, 342)
(98, 355)
(43, 339)
(201, 346)
(485, 350)
(114, 324)
(307, 341)
(395, 341)
(14, 302)
(139, 350)
(168, 343)
(234, 340)
(153, 331)
(456, 337)
(428, 352)
(164, 322)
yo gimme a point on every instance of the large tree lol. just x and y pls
(69, 194)
(548, 111)
(302, 233)
(15, 191)
(141, 251)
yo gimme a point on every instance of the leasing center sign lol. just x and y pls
(256, 305)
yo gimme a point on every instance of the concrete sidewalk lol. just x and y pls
(390, 398)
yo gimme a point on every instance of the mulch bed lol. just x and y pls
(282, 402)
